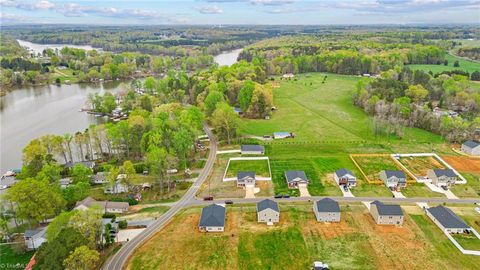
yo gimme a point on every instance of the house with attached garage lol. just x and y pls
(296, 179)
(345, 177)
(212, 218)
(268, 212)
(245, 179)
(386, 214)
(447, 220)
(442, 177)
(394, 179)
(471, 148)
(252, 149)
(327, 210)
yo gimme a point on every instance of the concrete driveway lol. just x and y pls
(303, 191)
(129, 234)
(249, 191)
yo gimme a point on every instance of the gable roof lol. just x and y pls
(242, 175)
(327, 205)
(292, 175)
(89, 201)
(471, 144)
(342, 172)
(444, 172)
(395, 173)
(37, 233)
(212, 216)
(447, 217)
(388, 209)
(253, 148)
(267, 204)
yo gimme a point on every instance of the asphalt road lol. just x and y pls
(118, 260)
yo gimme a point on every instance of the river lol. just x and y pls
(31, 112)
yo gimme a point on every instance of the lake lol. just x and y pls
(31, 112)
(38, 48)
(227, 58)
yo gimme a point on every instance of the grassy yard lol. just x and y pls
(468, 241)
(10, 260)
(471, 189)
(260, 167)
(419, 166)
(420, 190)
(469, 66)
(373, 165)
(297, 241)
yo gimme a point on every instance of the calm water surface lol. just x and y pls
(227, 58)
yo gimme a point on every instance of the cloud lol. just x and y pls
(209, 9)
(256, 2)
(12, 18)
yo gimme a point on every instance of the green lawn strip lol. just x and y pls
(260, 167)
(443, 248)
(420, 190)
(10, 260)
(154, 209)
(469, 190)
(468, 241)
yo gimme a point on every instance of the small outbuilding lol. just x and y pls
(327, 210)
(345, 177)
(394, 179)
(296, 178)
(471, 148)
(386, 214)
(212, 218)
(252, 149)
(245, 179)
(442, 177)
(282, 135)
(268, 212)
(447, 220)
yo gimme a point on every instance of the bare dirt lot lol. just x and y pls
(463, 164)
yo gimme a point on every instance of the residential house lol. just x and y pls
(245, 179)
(327, 210)
(212, 218)
(282, 135)
(117, 188)
(65, 182)
(100, 178)
(288, 76)
(296, 178)
(394, 179)
(251, 149)
(386, 214)
(238, 110)
(442, 177)
(35, 238)
(88, 164)
(447, 220)
(105, 206)
(471, 148)
(268, 212)
(345, 177)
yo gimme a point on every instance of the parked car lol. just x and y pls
(229, 202)
(2, 187)
(278, 196)
(345, 187)
(286, 196)
(208, 198)
(445, 188)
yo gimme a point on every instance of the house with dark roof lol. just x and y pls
(100, 178)
(35, 238)
(252, 149)
(212, 218)
(326, 210)
(386, 214)
(447, 220)
(245, 179)
(296, 178)
(471, 148)
(394, 179)
(345, 177)
(268, 212)
(442, 177)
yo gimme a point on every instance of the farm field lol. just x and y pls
(297, 241)
(260, 167)
(469, 66)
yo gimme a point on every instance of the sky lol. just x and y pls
(222, 12)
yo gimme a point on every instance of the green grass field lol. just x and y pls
(260, 167)
(420, 190)
(10, 260)
(471, 189)
(469, 66)
(468, 241)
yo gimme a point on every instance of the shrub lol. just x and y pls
(122, 224)
(109, 215)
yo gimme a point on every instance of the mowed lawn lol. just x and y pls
(260, 167)
(469, 66)
(298, 240)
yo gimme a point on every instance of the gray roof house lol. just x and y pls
(100, 178)
(212, 218)
(345, 177)
(252, 149)
(327, 210)
(471, 148)
(442, 177)
(245, 179)
(447, 220)
(268, 212)
(35, 238)
(295, 178)
(105, 206)
(393, 178)
(386, 214)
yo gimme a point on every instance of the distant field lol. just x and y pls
(298, 240)
(465, 65)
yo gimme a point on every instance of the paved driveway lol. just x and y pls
(303, 191)
(249, 191)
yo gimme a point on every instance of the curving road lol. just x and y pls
(118, 260)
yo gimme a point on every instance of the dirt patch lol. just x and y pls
(327, 230)
(463, 164)
(419, 166)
